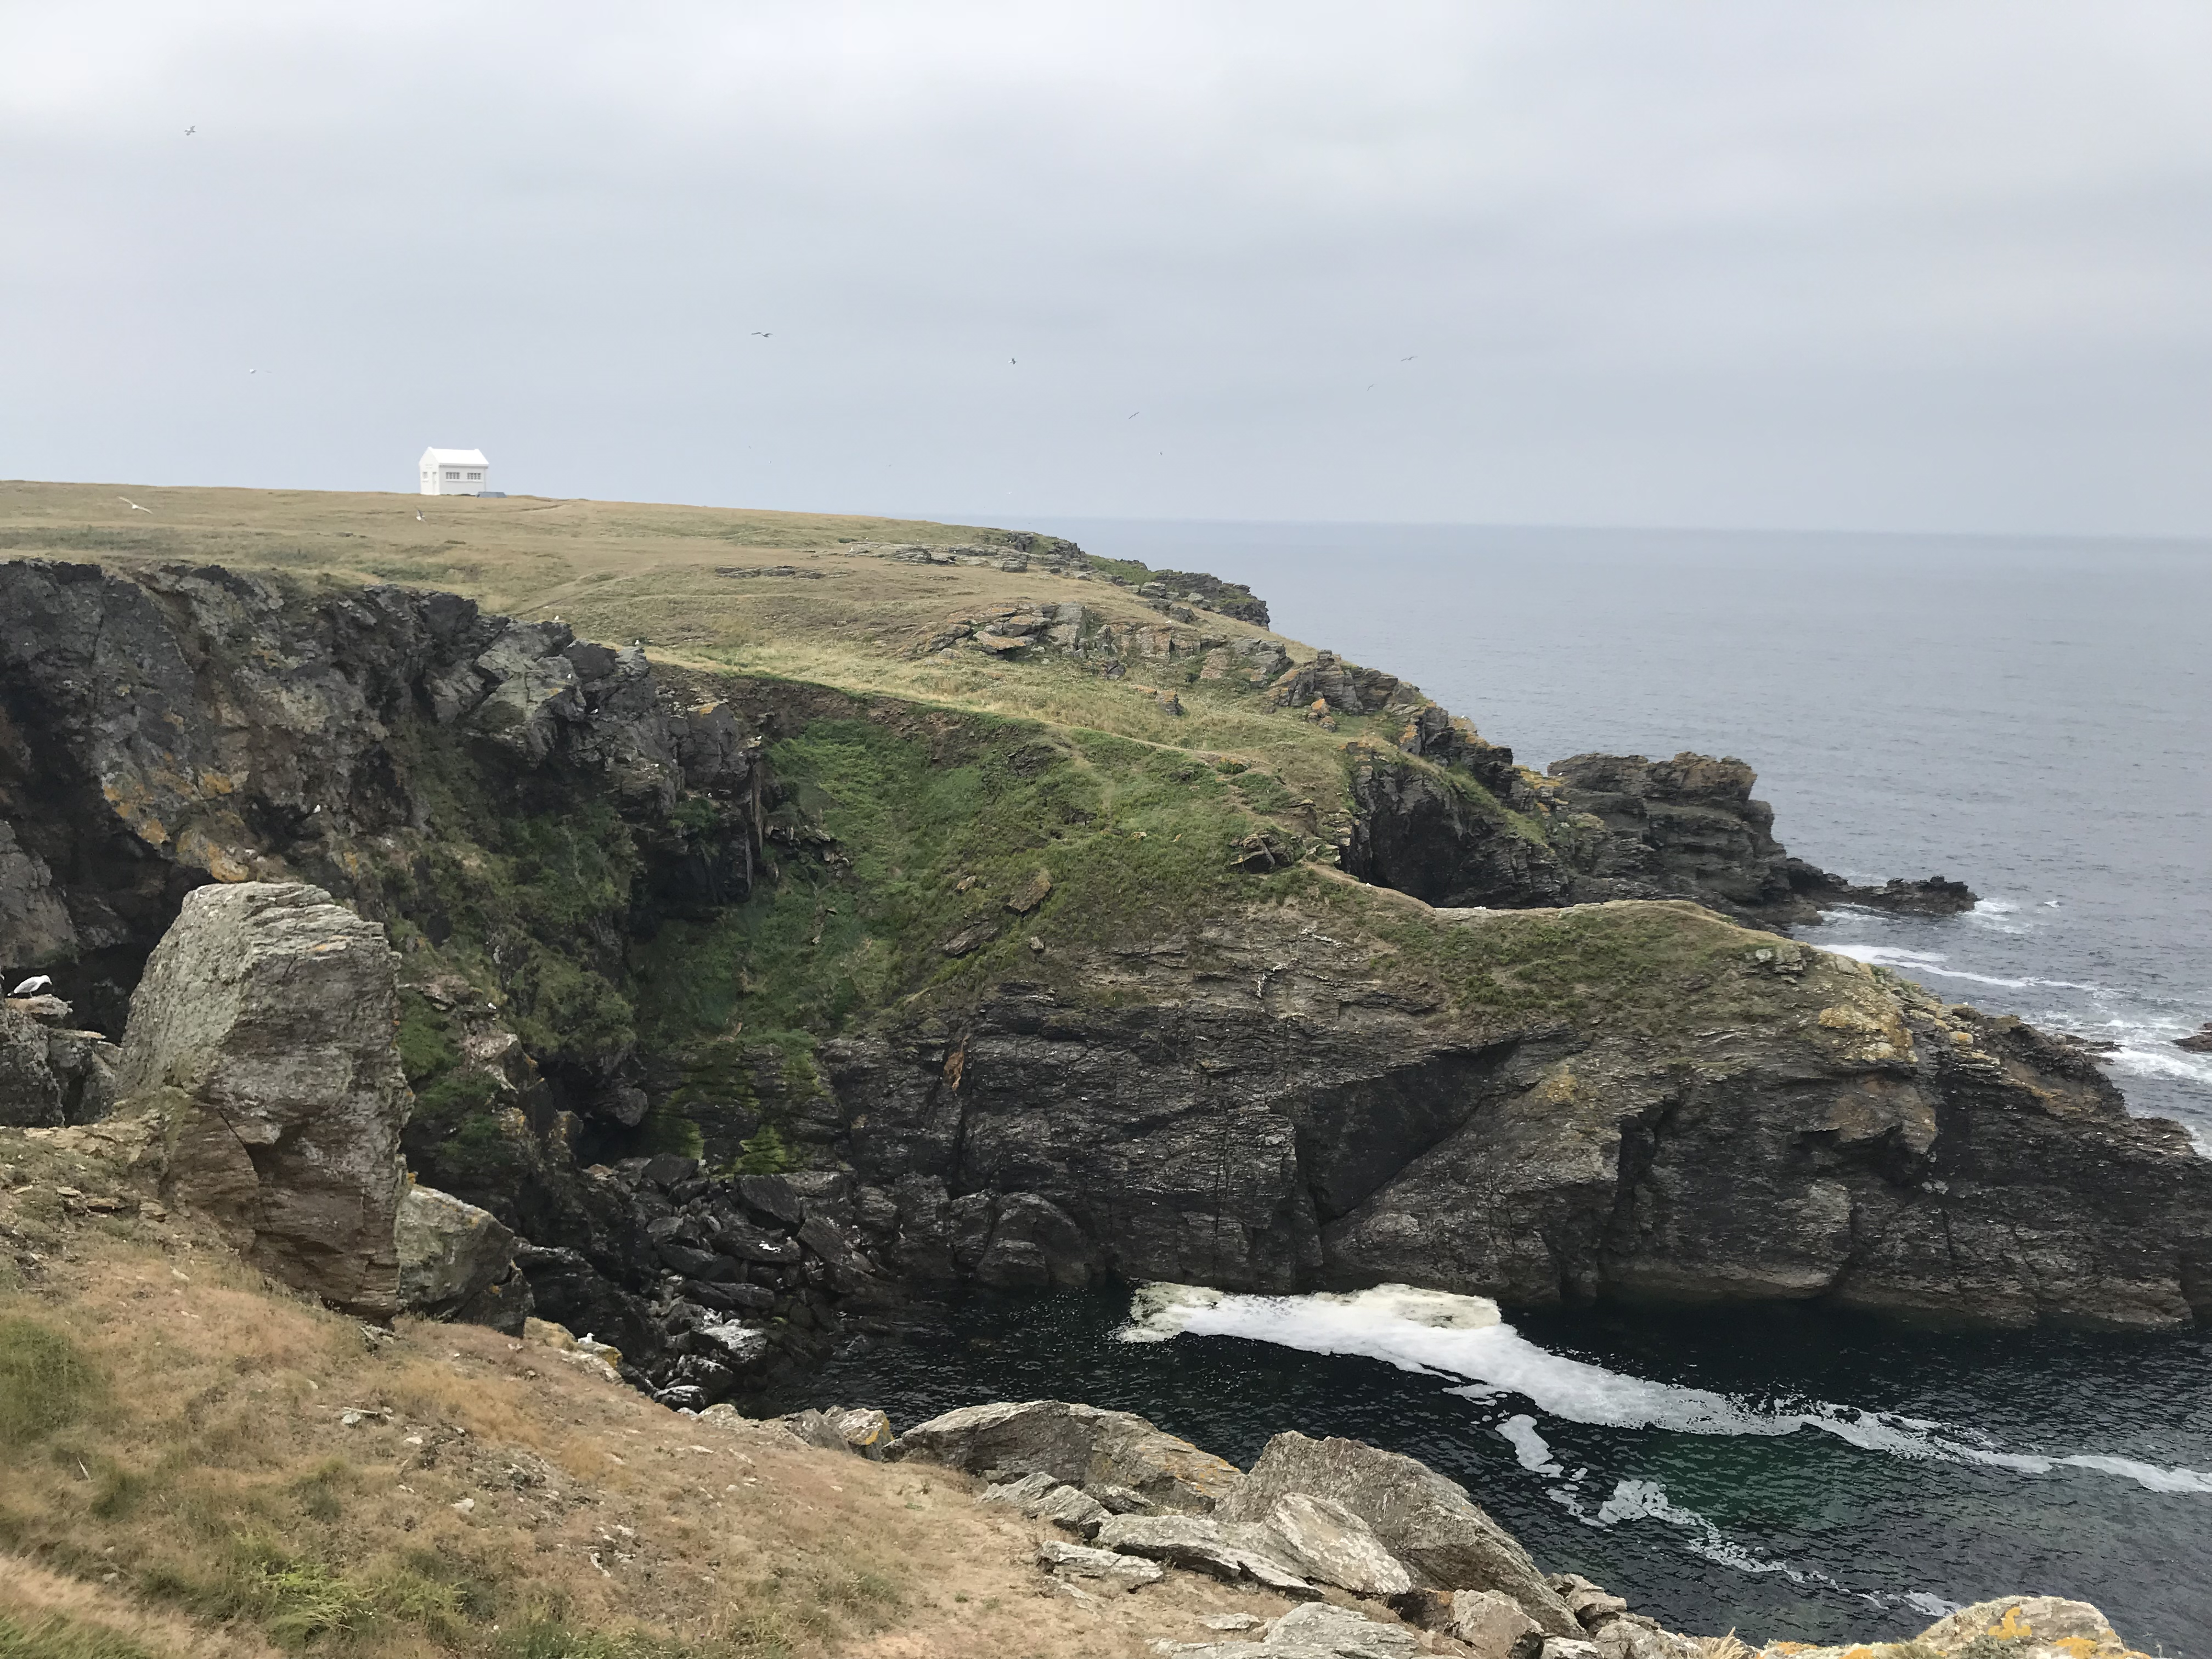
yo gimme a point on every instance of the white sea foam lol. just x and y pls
(1931, 962)
(1529, 1446)
(1647, 1500)
(1464, 1337)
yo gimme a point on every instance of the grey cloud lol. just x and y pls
(1881, 266)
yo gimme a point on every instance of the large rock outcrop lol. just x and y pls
(1269, 1103)
(182, 725)
(261, 1036)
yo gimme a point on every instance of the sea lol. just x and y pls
(2033, 717)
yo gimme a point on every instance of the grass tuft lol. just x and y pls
(46, 1381)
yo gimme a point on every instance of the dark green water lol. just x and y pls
(1770, 1528)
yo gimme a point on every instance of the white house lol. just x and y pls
(455, 472)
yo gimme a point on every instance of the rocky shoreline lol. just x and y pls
(1541, 1038)
(1383, 1557)
(1298, 1090)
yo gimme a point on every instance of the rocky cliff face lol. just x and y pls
(1288, 1081)
(1258, 1107)
(400, 749)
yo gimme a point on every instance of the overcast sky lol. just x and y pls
(1840, 265)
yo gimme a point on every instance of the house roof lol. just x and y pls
(455, 458)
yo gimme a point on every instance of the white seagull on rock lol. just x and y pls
(33, 986)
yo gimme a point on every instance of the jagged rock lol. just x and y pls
(1427, 1523)
(1043, 1498)
(1632, 1636)
(34, 923)
(1422, 831)
(50, 1075)
(1491, 1625)
(861, 1430)
(1318, 1629)
(30, 1093)
(1591, 1604)
(2049, 1623)
(262, 1036)
(1077, 1561)
(457, 1262)
(180, 724)
(1328, 1543)
(1226, 1549)
(1077, 1445)
(1570, 1647)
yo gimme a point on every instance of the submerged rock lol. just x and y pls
(261, 1036)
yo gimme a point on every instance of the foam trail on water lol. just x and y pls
(1931, 962)
(1465, 1337)
(1461, 1336)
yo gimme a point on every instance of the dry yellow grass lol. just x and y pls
(623, 571)
(210, 1497)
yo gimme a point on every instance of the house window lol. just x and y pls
(475, 474)
(453, 475)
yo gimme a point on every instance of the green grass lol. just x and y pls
(58, 1637)
(46, 1381)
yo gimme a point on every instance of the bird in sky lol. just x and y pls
(32, 986)
(762, 334)
(1013, 359)
(1135, 413)
(418, 515)
(189, 132)
(1405, 359)
(132, 505)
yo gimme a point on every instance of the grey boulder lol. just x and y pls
(1043, 1498)
(1330, 1545)
(861, 1430)
(50, 1075)
(1317, 1630)
(1076, 1561)
(1429, 1523)
(1078, 1446)
(1229, 1550)
(1491, 1626)
(457, 1262)
(261, 1037)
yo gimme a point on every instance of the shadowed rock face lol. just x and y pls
(262, 1036)
(188, 725)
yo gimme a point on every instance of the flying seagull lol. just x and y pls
(1405, 359)
(32, 986)
(1135, 413)
(762, 334)
(132, 505)
(189, 132)
(418, 515)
